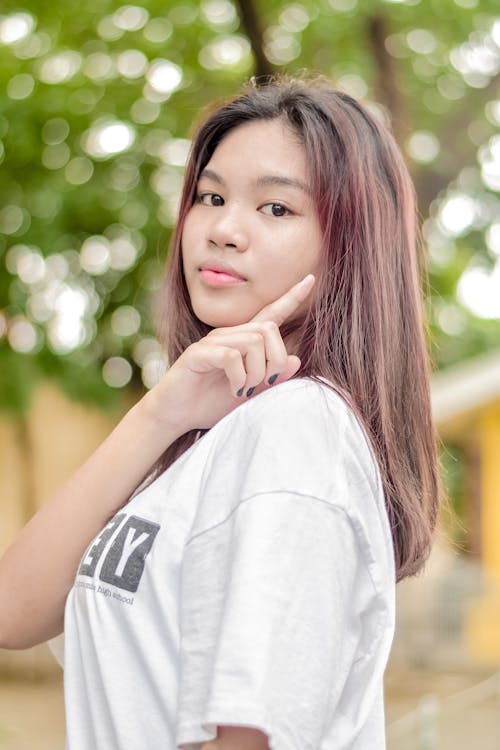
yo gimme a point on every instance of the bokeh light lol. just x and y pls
(99, 66)
(55, 131)
(280, 46)
(125, 321)
(59, 67)
(478, 289)
(117, 372)
(225, 51)
(95, 255)
(457, 214)
(175, 151)
(218, 13)
(15, 27)
(423, 146)
(163, 77)
(421, 41)
(68, 327)
(489, 158)
(132, 63)
(158, 30)
(343, 6)
(294, 17)
(22, 335)
(14, 220)
(20, 86)
(79, 170)
(493, 240)
(108, 137)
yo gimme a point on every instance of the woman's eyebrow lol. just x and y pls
(263, 180)
(279, 179)
(211, 175)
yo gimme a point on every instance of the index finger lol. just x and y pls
(281, 309)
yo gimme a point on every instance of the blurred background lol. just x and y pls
(97, 105)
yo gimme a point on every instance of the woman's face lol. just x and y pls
(253, 230)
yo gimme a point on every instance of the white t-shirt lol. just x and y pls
(251, 584)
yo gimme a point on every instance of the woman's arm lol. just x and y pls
(237, 738)
(38, 570)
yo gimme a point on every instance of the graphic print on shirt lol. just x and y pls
(124, 548)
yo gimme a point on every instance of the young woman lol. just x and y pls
(224, 565)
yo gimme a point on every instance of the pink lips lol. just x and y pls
(219, 278)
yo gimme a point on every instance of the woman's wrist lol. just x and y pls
(152, 424)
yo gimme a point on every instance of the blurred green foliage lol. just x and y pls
(97, 103)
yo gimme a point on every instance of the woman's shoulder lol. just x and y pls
(301, 399)
(302, 424)
(300, 438)
(299, 410)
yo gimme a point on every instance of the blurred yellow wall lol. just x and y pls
(482, 626)
(466, 403)
(37, 454)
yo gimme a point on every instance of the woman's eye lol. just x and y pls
(211, 199)
(275, 209)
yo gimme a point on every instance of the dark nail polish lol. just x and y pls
(272, 378)
(240, 392)
(250, 391)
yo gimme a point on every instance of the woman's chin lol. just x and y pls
(223, 321)
(224, 318)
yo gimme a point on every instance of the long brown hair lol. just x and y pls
(365, 333)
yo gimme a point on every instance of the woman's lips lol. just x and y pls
(219, 278)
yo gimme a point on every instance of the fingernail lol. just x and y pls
(273, 378)
(250, 391)
(240, 392)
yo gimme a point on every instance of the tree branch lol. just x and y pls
(387, 89)
(251, 26)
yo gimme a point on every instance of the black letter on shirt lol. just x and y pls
(94, 552)
(124, 563)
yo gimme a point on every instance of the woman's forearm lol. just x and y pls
(38, 569)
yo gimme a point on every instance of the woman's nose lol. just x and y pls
(227, 229)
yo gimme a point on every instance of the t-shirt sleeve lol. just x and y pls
(268, 627)
(56, 647)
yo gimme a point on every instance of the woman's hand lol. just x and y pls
(197, 391)
(202, 386)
